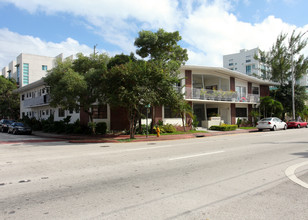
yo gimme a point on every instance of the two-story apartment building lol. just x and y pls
(214, 91)
(211, 91)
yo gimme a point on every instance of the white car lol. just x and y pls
(272, 123)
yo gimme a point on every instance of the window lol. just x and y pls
(99, 111)
(241, 112)
(211, 112)
(18, 73)
(241, 92)
(25, 78)
(61, 112)
(248, 69)
(169, 113)
(248, 59)
(23, 97)
(44, 67)
(255, 90)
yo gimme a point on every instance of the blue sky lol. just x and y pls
(209, 29)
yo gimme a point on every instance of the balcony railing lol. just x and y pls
(37, 101)
(219, 95)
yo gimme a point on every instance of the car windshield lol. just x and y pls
(8, 121)
(19, 124)
(266, 119)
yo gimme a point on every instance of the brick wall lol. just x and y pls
(118, 119)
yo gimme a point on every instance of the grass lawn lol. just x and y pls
(182, 132)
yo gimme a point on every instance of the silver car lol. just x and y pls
(271, 123)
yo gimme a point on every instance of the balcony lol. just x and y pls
(37, 101)
(220, 95)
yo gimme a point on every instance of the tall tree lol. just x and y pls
(271, 107)
(162, 49)
(285, 55)
(135, 84)
(9, 100)
(284, 95)
(286, 63)
(77, 84)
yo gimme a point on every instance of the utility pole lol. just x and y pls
(293, 82)
(94, 50)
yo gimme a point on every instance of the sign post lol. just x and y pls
(147, 108)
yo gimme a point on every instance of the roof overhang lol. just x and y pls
(31, 86)
(228, 72)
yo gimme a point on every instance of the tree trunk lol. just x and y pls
(183, 122)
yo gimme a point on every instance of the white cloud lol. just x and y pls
(208, 27)
(12, 44)
(214, 32)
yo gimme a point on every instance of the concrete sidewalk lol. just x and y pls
(110, 138)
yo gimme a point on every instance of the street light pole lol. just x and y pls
(293, 82)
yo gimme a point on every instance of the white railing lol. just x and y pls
(37, 101)
(220, 95)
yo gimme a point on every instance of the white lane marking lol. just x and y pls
(133, 149)
(196, 155)
(290, 173)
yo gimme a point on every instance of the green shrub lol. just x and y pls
(168, 128)
(59, 127)
(224, 127)
(143, 129)
(195, 122)
(239, 122)
(101, 128)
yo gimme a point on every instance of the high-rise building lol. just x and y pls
(244, 62)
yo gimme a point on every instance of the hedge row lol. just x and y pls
(224, 127)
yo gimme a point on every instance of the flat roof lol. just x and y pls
(232, 73)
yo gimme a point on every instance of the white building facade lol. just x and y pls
(29, 68)
(244, 62)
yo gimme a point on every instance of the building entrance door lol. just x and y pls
(199, 112)
(224, 112)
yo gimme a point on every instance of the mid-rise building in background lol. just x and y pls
(244, 62)
(29, 68)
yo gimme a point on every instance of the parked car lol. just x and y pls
(297, 124)
(271, 123)
(4, 124)
(19, 128)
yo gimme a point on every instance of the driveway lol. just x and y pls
(6, 138)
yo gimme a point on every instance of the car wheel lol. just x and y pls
(14, 132)
(298, 126)
(274, 128)
(285, 127)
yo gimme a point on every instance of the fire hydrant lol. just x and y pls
(158, 131)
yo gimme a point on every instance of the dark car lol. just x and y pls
(19, 128)
(4, 124)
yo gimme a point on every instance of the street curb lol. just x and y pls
(121, 139)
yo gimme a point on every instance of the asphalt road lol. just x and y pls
(224, 177)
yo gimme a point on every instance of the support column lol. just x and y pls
(188, 84)
(233, 114)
